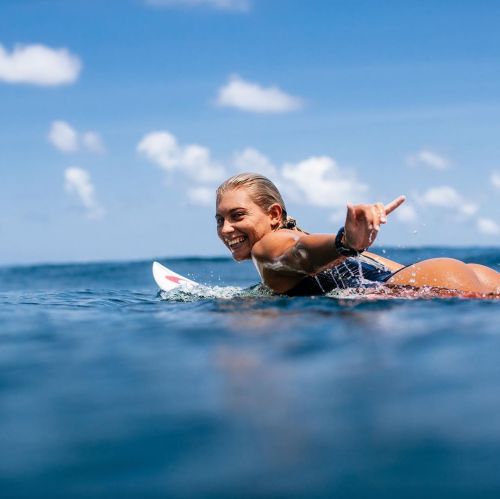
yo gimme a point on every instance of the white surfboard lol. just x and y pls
(168, 280)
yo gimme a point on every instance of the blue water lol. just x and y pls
(109, 390)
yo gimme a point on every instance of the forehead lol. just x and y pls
(234, 198)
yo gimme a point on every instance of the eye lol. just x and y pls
(238, 215)
(219, 221)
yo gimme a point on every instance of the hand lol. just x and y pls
(363, 222)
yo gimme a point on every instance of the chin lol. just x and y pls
(241, 257)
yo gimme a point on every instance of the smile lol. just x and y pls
(236, 242)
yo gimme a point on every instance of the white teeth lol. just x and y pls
(235, 241)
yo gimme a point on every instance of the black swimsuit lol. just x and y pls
(355, 272)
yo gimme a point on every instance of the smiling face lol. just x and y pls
(241, 222)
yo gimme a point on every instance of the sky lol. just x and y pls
(118, 120)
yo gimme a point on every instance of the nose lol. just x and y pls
(226, 228)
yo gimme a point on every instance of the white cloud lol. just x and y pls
(234, 5)
(38, 65)
(488, 226)
(160, 148)
(203, 196)
(428, 158)
(320, 182)
(93, 142)
(448, 197)
(406, 213)
(495, 179)
(163, 149)
(251, 160)
(469, 208)
(198, 163)
(78, 181)
(251, 97)
(338, 216)
(63, 136)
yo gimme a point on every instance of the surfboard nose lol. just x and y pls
(167, 279)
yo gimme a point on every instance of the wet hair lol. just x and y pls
(263, 193)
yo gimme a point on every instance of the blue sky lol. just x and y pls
(119, 118)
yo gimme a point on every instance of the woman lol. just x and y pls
(252, 222)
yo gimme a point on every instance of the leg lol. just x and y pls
(445, 273)
(488, 277)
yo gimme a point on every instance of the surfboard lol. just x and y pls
(169, 280)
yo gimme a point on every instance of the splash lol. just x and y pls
(399, 292)
(201, 292)
(282, 263)
(377, 292)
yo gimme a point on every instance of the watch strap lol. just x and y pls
(343, 249)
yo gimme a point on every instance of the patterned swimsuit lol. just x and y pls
(355, 272)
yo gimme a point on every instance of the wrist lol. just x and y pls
(342, 247)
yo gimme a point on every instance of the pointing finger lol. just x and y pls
(390, 207)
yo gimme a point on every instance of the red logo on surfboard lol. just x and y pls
(172, 278)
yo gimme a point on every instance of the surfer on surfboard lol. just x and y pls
(252, 221)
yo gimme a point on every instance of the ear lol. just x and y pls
(275, 213)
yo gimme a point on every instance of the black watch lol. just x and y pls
(341, 248)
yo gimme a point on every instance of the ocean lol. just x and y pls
(110, 389)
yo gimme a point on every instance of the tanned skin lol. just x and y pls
(284, 257)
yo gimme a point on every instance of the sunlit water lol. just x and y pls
(108, 389)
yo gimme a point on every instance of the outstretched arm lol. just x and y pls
(284, 257)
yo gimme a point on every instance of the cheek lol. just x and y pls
(262, 229)
(251, 231)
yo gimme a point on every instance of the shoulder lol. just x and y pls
(274, 244)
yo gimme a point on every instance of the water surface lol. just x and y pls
(109, 390)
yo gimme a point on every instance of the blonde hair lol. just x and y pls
(263, 193)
